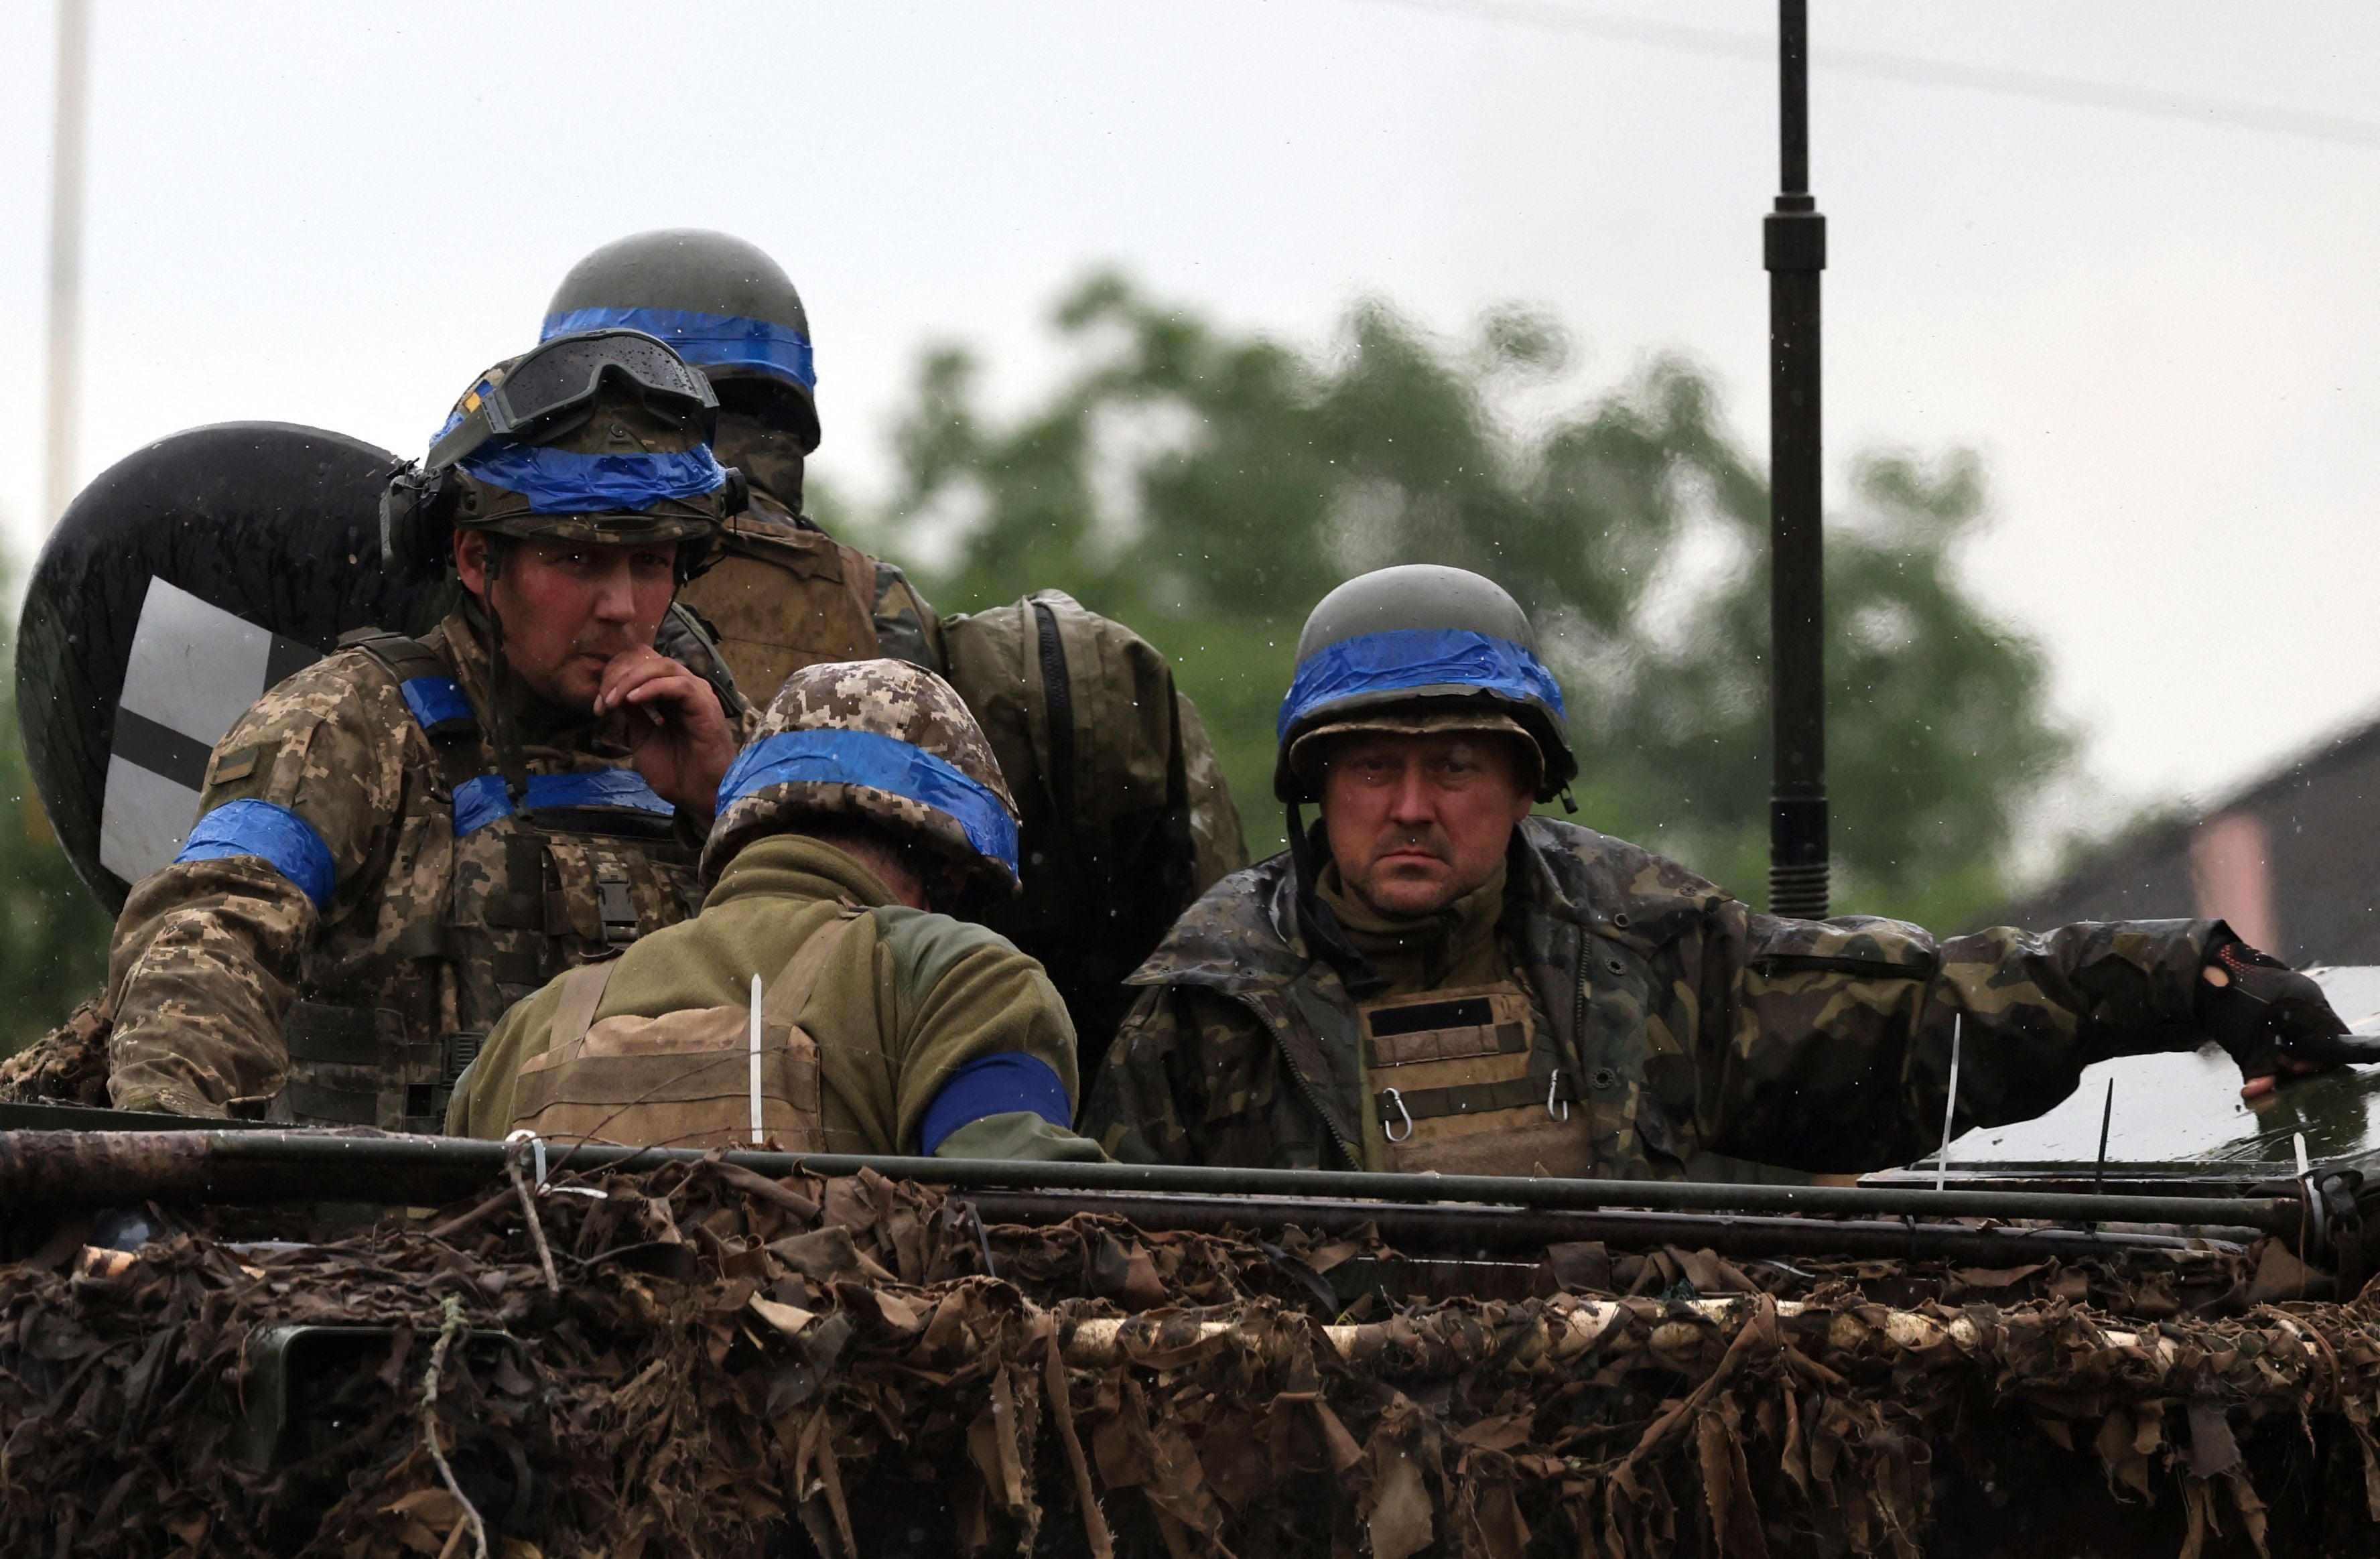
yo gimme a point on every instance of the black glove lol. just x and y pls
(2270, 1018)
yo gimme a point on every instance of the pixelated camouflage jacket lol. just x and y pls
(785, 595)
(425, 934)
(1696, 1024)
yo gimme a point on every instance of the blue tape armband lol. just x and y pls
(1456, 660)
(1000, 1084)
(560, 481)
(435, 701)
(480, 802)
(880, 763)
(709, 340)
(273, 834)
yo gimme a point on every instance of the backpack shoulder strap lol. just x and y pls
(790, 992)
(582, 992)
(429, 689)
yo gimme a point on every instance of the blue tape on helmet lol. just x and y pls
(1453, 658)
(560, 481)
(480, 802)
(709, 340)
(273, 834)
(1002, 1085)
(436, 700)
(880, 763)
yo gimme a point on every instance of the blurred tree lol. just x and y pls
(52, 933)
(1208, 488)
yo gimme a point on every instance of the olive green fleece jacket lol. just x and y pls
(906, 1000)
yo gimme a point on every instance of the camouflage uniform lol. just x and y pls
(1682, 1021)
(436, 912)
(914, 1029)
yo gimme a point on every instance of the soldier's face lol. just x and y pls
(570, 609)
(1417, 822)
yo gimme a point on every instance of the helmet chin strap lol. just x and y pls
(503, 724)
(1324, 934)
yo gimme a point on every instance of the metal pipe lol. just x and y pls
(104, 1167)
(1421, 1229)
(1794, 245)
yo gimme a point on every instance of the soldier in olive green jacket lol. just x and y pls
(1435, 979)
(886, 1028)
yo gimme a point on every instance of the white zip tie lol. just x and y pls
(1950, 1107)
(758, 1135)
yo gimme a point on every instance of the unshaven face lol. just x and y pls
(1417, 822)
(570, 609)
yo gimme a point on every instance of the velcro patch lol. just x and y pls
(238, 764)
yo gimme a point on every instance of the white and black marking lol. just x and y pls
(194, 670)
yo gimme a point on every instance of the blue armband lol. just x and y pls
(1000, 1084)
(273, 834)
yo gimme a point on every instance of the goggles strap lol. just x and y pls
(504, 725)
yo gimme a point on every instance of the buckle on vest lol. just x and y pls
(1398, 1099)
(618, 908)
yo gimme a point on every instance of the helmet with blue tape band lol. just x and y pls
(602, 437)
(881, 741)
(1415, 648)
(723, 304)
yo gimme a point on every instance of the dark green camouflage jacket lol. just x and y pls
(1696, 1024)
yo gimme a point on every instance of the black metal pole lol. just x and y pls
(103, 1168)
(1795, 245)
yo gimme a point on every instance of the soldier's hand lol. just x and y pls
(678, 737)
(2274, 1023)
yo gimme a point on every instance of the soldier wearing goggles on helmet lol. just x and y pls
(817, 1004)
(786, 594)
(397, 842)
(1434, 979)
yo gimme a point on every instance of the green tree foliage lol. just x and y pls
(1209, 487)
(52, 933)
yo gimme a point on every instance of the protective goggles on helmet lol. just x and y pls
(563, 376)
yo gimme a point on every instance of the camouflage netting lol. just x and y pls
(729, 1357)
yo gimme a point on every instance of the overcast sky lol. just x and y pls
(2161, 330)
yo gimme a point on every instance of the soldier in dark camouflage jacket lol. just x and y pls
(1434, 980)
(400, 840)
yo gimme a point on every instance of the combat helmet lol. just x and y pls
(599, 437)
(885, 741)
(723, 303)
(1416, 648)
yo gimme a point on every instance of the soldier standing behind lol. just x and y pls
(868, 794)
(786, 594)
(1437, 980)
(397, 842)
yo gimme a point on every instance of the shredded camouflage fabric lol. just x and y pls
(1697, 1024)
(890, 698)
(726, 1357)
(425, 934)
(68, 1064)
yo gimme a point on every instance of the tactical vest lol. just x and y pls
(487, 897)
(1457, 1085)
(706, 1077)
(783, 599)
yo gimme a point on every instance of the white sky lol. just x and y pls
(2163, 336)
